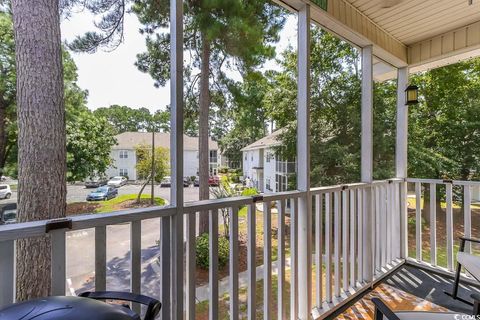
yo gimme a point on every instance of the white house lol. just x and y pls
(263, 167)
(125, 159)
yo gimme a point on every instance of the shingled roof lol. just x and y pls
(130, 140)
(266, 142)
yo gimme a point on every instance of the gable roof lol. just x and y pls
(130, 140)
(269, 141)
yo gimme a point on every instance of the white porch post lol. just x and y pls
(176, 155)
(401, 155)
(367, 159)
(303, 167)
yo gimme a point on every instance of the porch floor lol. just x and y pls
(411, 288)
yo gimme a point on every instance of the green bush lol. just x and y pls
(236, 171)
(234, 177)
(248, 192)
(223, 170)
(201, 250)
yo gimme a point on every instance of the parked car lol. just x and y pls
(5, 191)
(213, 181)
(196, 182)
(3, 178)
(103, 193)
(117, 182)
(8, 213)
(95, 182)
(166, 182)
(186, 181)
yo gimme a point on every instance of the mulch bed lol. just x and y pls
(81, 208)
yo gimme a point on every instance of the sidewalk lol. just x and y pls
(223, 285)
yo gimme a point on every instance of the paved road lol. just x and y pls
(81, 249)
(81, 246)
(78, 193)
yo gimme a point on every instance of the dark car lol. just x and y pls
(103, 193)
(95, 182)
(8, 213)
(166, 182)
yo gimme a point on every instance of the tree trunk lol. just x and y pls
(203, 156)
(41, 136)
(139, 196)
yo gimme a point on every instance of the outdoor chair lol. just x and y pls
(470, 262)
(382, 311)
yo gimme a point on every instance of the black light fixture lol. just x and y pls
(411, 95)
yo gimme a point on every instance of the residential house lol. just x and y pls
(125, 158)
(263, 167)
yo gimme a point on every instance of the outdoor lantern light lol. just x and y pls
(411, 95)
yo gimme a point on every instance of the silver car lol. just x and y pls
(5, 191)
(117, 182)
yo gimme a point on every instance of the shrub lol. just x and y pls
(248, 192)
(234, 177)
(235, 171)
(223, 170)
(201, 250)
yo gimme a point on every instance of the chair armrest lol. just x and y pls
(383, 309)
(476, 303)
(465, 239)
(470, 239)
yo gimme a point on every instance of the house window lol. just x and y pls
(245, 156)
(269, 156)
(281, 182)
(267, 184)
(123, 154)
(213, 156)
(124, 172)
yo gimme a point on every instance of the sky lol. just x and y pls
(112, 78)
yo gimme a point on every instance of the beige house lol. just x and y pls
(125, 159)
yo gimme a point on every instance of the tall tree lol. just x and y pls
(125, 119)
(220, 35)
(89, 138)
(248, 115)
(41, 139)
(335, 108)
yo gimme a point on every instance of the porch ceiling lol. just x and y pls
(421, 34)
(411, 21)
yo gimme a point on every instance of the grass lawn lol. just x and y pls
(128, 201)
(412, 203)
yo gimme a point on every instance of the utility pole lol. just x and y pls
(152, 200)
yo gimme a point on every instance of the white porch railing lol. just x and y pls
(429, 250)
(341, 256)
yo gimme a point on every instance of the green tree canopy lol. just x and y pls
(444, 128)
(126, 119)
(144, 162)
(89, 138)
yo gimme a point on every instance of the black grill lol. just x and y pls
(88, 306)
